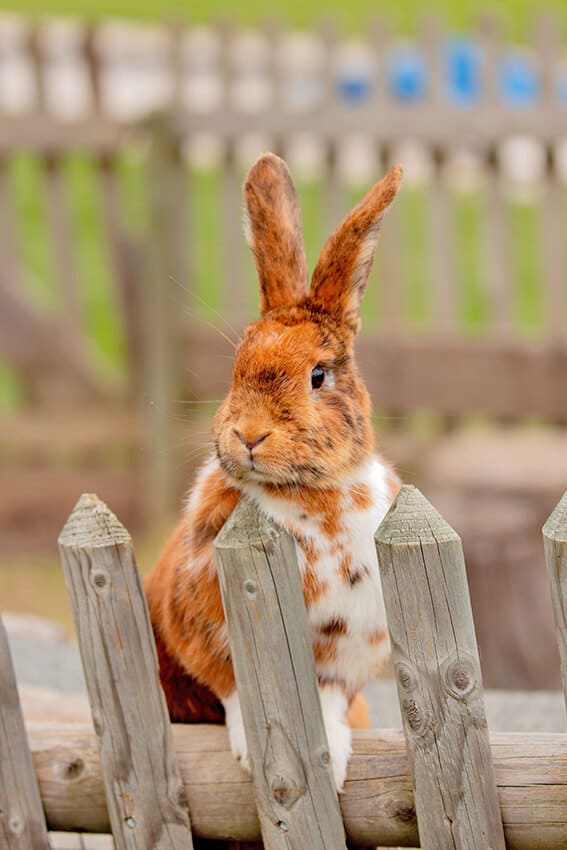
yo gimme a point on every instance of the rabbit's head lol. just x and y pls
(298, 412)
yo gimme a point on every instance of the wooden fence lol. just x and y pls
(154, 786)
(462, 349)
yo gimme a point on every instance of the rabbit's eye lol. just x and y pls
(317, 377)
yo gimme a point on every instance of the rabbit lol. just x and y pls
(294, 434)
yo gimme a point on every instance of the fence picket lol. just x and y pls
(62, 243)
(555, 544)
(438, 677)
(22, 821)
(144, 793)
(10, 260)
(275, 674)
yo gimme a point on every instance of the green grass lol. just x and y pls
(405, 15)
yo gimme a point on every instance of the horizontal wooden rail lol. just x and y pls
(377, 803)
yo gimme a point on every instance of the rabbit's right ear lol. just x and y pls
(272, 225)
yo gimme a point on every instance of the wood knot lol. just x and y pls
(414, 715)
(406, 677)
(73, 769)
(16, 825)
(404, 811)
(99, 579)
(250, 587)
(460, 677)
(286, 792)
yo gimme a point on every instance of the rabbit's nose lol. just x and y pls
(251, 441)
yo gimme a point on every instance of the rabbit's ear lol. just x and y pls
(272, 224)
(340, 275)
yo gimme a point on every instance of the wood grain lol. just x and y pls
(555, 544)
(22, 821)
(144, 793)
(438, 677)
(377, 804)
(275, 674)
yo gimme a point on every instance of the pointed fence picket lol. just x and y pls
(464, 788)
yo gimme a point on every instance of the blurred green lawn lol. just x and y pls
(517, 15)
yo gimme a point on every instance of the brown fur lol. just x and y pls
(274, 225)
(302, 448)
(343, 258)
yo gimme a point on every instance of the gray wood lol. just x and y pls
(438, 677)
(389, 266)
(495, 256)
(62, 244)
(555, 544)
(162, 314)
(10, 242)
(144, 793)
(552, 255)
(442, 253)
(275, 674)
(37, 59)
(231, 239)
(22, 821)
(377, 803)
(92, 59)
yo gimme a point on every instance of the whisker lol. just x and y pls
(196, 295)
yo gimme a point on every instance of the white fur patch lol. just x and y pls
(339, 737)
(360, 605)
(236, 733)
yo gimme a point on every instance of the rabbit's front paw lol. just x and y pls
(339, 737)
(236, 734)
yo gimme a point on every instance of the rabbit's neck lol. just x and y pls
(334, 530)
(330, 516)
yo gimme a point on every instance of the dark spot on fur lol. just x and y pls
(355, 577)
(336, 626)
(268, 376)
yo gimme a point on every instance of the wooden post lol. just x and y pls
(275, 674)
(163, 313)
(145, 797)
(555, 544)
(438, 677)
(22, 822)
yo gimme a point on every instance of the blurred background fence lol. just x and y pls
(124, 278)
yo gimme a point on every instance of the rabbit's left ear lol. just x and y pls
(272, 224)
(341, 273)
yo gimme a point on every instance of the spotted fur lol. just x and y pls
(305, 455)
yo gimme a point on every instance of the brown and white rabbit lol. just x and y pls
(295, 435)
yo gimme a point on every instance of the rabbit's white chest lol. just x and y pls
(342, 588)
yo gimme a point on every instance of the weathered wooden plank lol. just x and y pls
(44, 134)
(377, 802)
(444, 281)
(22, 821)
(10, 243)
(36, 55)
(62, 245)
(551, 218)
(144, 794)
(476, 128)
(438, 677)
(126, 263)
(231, 241)
(275, 674)
(555, 544)
(162, 314)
